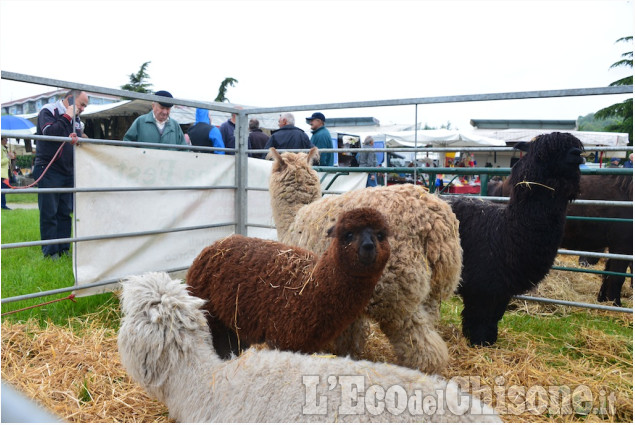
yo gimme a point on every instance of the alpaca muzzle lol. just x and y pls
(367, 249)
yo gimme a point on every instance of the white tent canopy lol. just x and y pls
(588, 138)
(439, 138)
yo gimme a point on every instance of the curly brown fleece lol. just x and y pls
(424, 267)
(266, 291)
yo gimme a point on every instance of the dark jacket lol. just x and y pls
(202, 133)
(289, 137)
(53, 121)
(257, 140)
(322, 139)
(227, 131)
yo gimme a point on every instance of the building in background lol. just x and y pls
(32, 104)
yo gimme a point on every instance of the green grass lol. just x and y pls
(25, 271)
(22, 198)
(563, 333)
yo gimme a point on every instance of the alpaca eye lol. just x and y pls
(380, 236)
(349, 236)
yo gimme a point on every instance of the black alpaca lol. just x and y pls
(507, 250)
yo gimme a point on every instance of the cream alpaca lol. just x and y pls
(424, 267)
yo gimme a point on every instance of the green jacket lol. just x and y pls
(144, 129)
(322, 139)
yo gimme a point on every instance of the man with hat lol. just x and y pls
(321, 138)
(156, 126)
(615, 163)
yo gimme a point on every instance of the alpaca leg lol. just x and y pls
(611, 289)
(352, 341)
(225, 339)
(481, 317)
(416, 342)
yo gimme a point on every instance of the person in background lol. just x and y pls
(6, 164)
(227, 130)
(202, 133)
(288, 136)
(615, 163)
(156, 126)
(369, 159)
(60, 119)
(257, 139)
(321, 138)
(629, 162)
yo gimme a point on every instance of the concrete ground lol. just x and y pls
(32, 206)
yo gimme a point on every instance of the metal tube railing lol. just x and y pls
(241, 149)
(114, 236)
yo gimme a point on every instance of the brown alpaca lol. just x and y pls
(265, 291)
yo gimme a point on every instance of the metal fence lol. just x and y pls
(241, 187)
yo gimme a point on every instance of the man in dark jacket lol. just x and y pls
(202, 133)
(257, 139)
(288, 136)
(321, 138)
(227, 132)
(57, 119)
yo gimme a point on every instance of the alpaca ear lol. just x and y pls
(522, 146)
(278, 162)
(313, 156)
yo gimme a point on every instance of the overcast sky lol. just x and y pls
(303, 52)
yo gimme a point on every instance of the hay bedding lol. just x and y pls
(78, 376)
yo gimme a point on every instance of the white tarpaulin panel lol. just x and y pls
(125, 212)
(107, 213)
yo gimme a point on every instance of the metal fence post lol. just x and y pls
(241, 134)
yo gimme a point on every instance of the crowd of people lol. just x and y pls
(54, 168)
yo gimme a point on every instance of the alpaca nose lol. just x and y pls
(367, 250)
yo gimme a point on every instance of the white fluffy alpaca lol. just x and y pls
(165, 345)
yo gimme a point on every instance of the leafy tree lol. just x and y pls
(138, 82)
(590, 122)
(624, 110)
(222, 90)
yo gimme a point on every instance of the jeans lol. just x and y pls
(371, 181)
(55, 210)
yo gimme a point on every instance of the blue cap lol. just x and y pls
(317, 116)
(164, 94)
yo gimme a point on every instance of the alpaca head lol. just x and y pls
(361, 239)
(292, 174)
(161, 324)
(552, 161)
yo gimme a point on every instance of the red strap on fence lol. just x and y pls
(70, 297)
(55, 157)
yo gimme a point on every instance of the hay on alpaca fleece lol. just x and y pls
(264, 291)
(425, 262)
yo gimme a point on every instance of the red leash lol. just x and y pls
(74, 140)
(70, 297)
